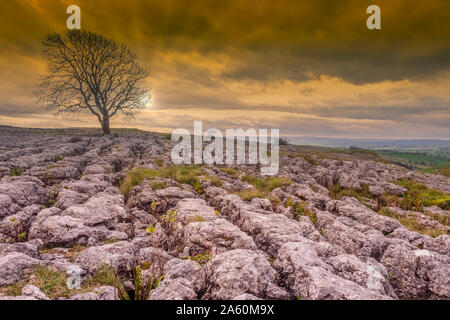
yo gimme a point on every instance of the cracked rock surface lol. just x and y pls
(65, 213)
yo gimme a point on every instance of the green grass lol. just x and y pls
(13, 290)
(420, 196)
(263, 186)
(15, 172)
(106, 276)
(444, 220)
(201, 258)
(417, 197)
(443, 170)
(159, 162)
(332, 153)
(51, 282)
(181, 174)
(248, 195)
(425, 161)
(300, 154)
(299, 209)
(412, 224)
(267, 184)
(158, 185)
(230, 171)
(142, 290)
(418, 158)
(336, 192)
(311, 160)
(216, 182)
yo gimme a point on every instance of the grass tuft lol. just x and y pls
(420, 196)
(106, 276)
(158, 185)
(412, 225)
(215, 182)
(181, 174)
(15, 172)
(299, 209)
(230, 171)
(159, 162)
(267, 184)
(201, 258)
(248, 195)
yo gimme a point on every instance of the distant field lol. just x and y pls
(426, 161)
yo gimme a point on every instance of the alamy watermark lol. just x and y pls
(373, 22)
(241, 147)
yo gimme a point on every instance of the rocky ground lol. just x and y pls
(110, 216)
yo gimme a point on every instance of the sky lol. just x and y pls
(309, 68)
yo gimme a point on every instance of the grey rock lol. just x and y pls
(417, 273)
(101, 293)
(119, 256)
(240, 271)
(183, 280)
(66, 231)
(33, 292)
(215, 236)
(68, 198)
(178, 289)
(310, 278)
(191, 210)
(370, 274)
(13, 265)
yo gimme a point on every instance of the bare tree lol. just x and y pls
(90, 72)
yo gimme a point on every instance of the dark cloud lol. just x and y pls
(202, 52)
(269, 40)
(18, 109)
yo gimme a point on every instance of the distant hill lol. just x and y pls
(372, 143)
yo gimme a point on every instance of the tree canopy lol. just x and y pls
(90, 72)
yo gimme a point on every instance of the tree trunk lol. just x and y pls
(105, 126)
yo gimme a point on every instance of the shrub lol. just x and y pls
(168, 221)
(22, 237)
(274, 200)
(311, 160)
(299, 209)
(150, 229)
(201, 258)
(75, 139)
(117, 165)
(14, 172)
(106, 276)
